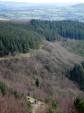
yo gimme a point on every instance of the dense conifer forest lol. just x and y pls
(53, 30)
(20, 37)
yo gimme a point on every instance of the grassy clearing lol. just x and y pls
(76, 46)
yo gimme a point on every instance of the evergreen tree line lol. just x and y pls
(79, 104)
(77, 75)
(20, 37)
(54, 30)
(14, 39)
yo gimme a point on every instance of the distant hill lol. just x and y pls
(79, 6)
(14, 10)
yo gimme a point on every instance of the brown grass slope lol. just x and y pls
(49, 65)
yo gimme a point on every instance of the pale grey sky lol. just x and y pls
(48, 1)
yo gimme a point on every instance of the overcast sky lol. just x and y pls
(48, 1)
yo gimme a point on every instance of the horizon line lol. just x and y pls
(44, 2)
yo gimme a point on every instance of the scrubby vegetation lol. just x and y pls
(79, 104)
(53, 105)
(29, 107)
(11, 101)
(42, 75)
(3, 88)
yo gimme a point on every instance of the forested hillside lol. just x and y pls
(53, 30)
(20, 37)
(49, 74)
(15, 39)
